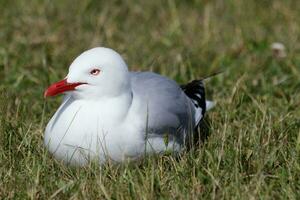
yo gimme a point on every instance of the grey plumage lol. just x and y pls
(170, 110)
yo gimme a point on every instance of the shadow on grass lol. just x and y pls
(201, 134)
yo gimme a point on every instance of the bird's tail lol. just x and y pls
(209, 105)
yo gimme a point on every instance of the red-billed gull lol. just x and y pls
(111, 113)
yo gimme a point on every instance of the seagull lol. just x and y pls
(109, 113)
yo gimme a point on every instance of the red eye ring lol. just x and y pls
(95, 72)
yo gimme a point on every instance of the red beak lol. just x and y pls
(60, 87)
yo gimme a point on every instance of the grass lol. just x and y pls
(253, 151)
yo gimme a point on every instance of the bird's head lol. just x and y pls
(98, 72)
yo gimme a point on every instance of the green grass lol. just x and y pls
(253, 151)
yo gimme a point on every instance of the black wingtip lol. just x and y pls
(196, 92)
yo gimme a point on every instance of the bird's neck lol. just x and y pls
(118, 106)
(109, 108)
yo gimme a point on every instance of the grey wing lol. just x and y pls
(169, 110)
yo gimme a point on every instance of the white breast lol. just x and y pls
(83, 130)
(80, 131)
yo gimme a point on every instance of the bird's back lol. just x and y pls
(169, 110)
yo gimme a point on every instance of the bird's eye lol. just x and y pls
(95, 72)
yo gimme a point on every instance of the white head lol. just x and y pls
(96, 73)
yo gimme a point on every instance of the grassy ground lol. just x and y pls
(253, 151)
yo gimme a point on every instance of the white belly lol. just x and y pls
(80, 132)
